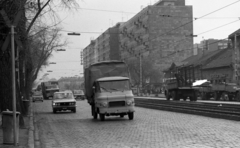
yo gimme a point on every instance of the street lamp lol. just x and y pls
(61, 49)
(73, 33)
(52, 62)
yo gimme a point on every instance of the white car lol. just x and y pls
(63, 100)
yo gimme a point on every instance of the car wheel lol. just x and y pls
(95, 116)
(121, 115)
(102, 117)
(74, 110)
(54, 111)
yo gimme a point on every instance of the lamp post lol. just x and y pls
(61, 49)
(52, 63)
(74, 33)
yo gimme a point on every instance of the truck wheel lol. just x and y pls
(238, 96)
(130, 115)
(102, 117)
(175, 95)
(216, 96)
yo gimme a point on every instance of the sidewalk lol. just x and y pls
(25, 139)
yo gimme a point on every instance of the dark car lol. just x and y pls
(63, 101)
(79, 94)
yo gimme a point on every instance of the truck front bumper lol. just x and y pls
(116, 110)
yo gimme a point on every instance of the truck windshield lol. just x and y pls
(109, 86)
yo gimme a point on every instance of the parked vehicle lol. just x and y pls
(49, 88)
(62, 101)
(108, 89)
(226, 91)
(37, 96)
(79, 94)
(178, 83)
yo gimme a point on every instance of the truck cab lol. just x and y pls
(112, 96)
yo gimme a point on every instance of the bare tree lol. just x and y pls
(38, 39)
(149, 70)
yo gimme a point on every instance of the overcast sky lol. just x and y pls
(214, 19)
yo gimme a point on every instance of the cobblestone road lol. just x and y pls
(149, 129)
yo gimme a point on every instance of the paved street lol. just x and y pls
(149, 129)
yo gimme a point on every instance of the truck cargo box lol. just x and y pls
(103, 69)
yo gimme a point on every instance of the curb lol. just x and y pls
(31, 126)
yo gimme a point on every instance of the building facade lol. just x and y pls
(210, 44)
(105, 47)
(162, 32)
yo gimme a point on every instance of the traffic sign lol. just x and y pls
(9, 24)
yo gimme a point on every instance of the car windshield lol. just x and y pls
(120, 85)
(64, 95)
(52, 87)
(37, 93)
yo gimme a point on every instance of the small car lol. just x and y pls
(79, 94)
(63, 100)
(37, 96)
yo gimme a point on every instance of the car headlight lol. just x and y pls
(130, 102)
(103, 104)
(54, 104)
(72, 103)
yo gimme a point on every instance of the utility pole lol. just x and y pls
(140, 72)
(13, 85)
(11, 25)
(236, 60)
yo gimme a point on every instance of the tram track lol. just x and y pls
(215, 110)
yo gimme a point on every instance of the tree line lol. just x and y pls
(38, 31)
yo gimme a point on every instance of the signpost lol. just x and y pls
(4, 47)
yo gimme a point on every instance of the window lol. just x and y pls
(109, 86)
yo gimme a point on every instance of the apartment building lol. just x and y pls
(105, 47)
(162, 32)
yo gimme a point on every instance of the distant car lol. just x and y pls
(63, 100)
(79, 94)
(37, 96)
